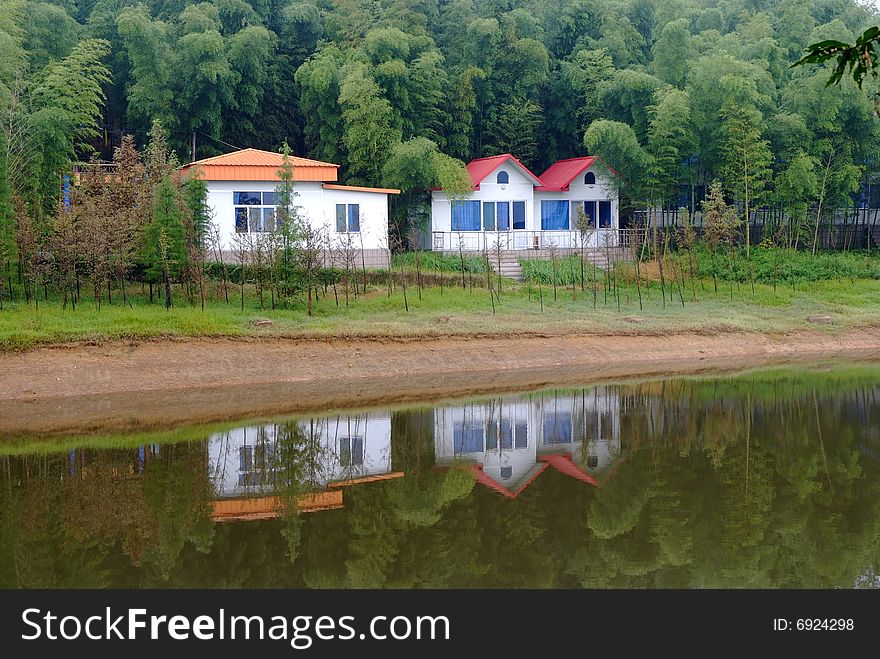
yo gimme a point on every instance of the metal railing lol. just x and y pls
(478, 241)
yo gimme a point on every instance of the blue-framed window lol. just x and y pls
(554, 215)
(247, 199)
(503, 216)
(604, 214)
(254, 212)
(488, 216)
(519, 215)
(348, 218)
(503, 177)
(465, 215)
(590, 178)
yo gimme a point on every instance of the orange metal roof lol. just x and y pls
(258, 165)
(358, 188)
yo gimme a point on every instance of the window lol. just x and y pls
(554, 215)
(604, 214)
(351, 451)
(519, 215)
(589, 208)
(465, 215)
(348, 218)
(503, 216)
(503, 177)
(488, 216)
(590, 178)
(254, 212)
(467, 437)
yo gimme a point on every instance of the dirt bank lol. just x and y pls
(162, 384)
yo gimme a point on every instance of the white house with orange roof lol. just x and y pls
(515, 209)
(243, 200)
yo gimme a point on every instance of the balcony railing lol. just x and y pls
(477, 241)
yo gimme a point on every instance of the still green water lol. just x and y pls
(767, 479)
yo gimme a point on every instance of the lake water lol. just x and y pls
(766, 479)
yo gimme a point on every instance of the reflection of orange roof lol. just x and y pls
(239, 510)
(366, 479)
(257, 165)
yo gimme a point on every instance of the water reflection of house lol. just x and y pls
(254, 463)
(508, 442)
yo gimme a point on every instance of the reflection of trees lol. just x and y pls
(72, 513)
(751, 482)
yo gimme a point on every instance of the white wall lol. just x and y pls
(325, 462)
(318, 206)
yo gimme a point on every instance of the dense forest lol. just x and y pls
(667, 88)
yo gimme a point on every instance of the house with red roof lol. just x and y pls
(513, 208)
(242, 196)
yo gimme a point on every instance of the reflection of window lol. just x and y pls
(467, 437)
(351, 451)
(465, 215)
(246, 458)
(248, 479)
(557, 428)
(491, 435)
(254, 212)
(521, 435)
(593, 461)
(506, 435)
(503, 177)
(506, 472)
(348, 218)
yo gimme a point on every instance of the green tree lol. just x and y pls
(164, 250)
(746, 161)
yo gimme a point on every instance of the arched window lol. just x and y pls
(503, 177)
(590, 178)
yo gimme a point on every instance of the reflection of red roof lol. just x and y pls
(480, 168)
(561, 462)
(561, 173)
(485, 479)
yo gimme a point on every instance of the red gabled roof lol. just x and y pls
(561, 173)
(480, 168)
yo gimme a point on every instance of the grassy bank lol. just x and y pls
(519, 309)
